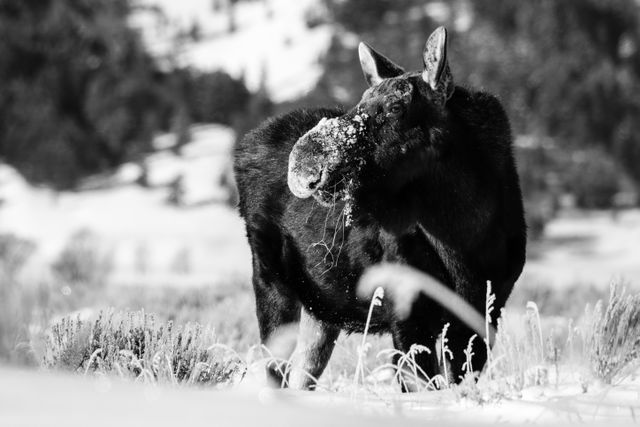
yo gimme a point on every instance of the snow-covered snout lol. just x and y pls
(320, 153)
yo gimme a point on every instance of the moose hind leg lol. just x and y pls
(276, 312)
(460, 337)
(316, 340)
(420, 366)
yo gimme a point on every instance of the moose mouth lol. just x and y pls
(325, 191)
(327, 195)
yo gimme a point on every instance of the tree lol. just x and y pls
(215, 96)
(567, 69)
(78, 92)
(398, 29)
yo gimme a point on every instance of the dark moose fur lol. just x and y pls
(439, 191)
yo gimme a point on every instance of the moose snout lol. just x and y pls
(312, 158)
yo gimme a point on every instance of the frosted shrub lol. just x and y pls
(132, 344)
(613, 335)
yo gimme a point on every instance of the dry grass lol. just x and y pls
(229, 309)
(531, 347)
(134, 345)
(22, 308)
(529, 350)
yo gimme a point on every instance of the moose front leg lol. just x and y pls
(276, 313)
(316, 340)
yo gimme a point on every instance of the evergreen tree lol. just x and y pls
(78, 93)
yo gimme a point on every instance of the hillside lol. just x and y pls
(272, 45)
(147, 239)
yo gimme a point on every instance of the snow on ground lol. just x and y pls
(587, 248)
(45, 399)
(542, 405)
(272, 44)
(30, 398)
(150, 241)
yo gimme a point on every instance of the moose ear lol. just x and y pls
(375, 66)
(436, 67)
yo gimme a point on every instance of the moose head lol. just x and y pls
(399, 121)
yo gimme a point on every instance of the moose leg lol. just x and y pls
(459, 335)
(419, 366)
(316, 340)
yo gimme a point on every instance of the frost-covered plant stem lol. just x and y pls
(489, 300)
(378, 294)
(444, 351)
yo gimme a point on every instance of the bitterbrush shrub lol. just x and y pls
(613, 335)
(134, 345)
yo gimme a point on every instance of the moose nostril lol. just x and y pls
(314, 182)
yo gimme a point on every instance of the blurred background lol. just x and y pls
(118, 118)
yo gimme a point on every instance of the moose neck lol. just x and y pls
(440, 193)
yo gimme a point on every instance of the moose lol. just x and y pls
(420, 174)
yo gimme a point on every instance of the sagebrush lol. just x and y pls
(135, 345)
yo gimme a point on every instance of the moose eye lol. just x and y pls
(395, 109)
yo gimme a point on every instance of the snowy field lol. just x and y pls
(590, 248)
(47, 399)
(148, 240)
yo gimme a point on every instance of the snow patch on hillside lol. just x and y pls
(272, 46)
(201, 169)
